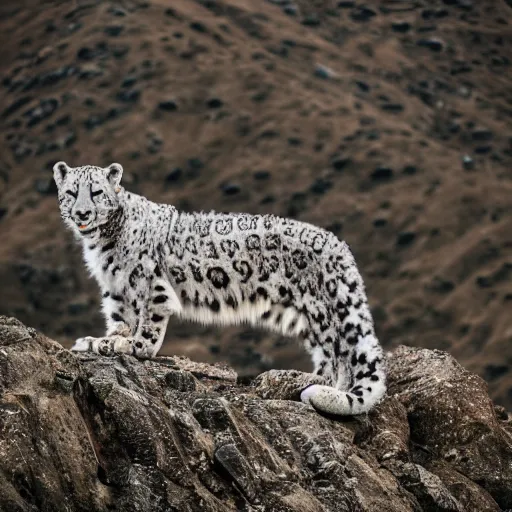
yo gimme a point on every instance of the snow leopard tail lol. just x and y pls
(367, 387)
(359, 375)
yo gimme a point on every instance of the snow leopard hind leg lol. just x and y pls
(348, 376)
(141, 331)
(346, 353)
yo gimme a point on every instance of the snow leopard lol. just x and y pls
(152, 262)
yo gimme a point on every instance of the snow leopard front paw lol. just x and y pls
(105, 346)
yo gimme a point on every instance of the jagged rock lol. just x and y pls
(452, 416)
(92, 433)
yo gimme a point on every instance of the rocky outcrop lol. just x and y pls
(91, 433)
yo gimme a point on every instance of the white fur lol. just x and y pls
(153, 262)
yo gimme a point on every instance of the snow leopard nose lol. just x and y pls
(83, 215)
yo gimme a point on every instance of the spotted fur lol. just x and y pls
(152, 261)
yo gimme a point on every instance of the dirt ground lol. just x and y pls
(389, 123)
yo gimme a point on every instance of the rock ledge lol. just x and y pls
(85, 433)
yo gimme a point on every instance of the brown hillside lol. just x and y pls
(389, 123)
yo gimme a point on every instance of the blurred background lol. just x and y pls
(387, 122)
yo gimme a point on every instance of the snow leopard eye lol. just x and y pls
(96, 193)
(72, 194)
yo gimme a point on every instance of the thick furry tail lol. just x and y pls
(359, 399)
(366, 385)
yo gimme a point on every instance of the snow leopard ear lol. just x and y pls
(114, 174)
(60, 169)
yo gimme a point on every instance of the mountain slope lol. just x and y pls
(389, 123)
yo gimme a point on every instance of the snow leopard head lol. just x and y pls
(88, 195)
